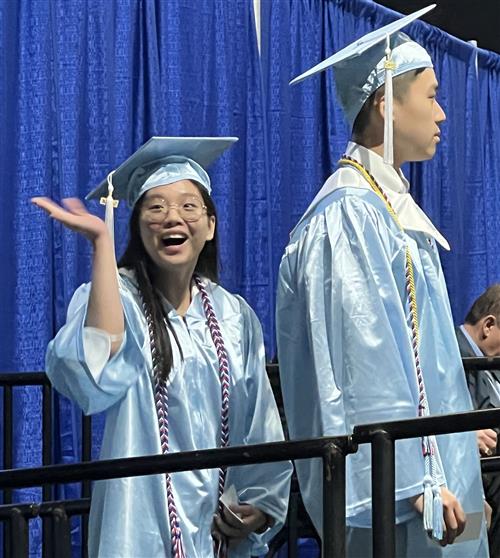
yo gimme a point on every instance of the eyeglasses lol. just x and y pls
(155, 211)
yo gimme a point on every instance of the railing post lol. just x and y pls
(7, 459)
(47, 490)
(333, 542)
(19, 534)
(292, 526)
(61, 533)
(86, 456)
(383, 496)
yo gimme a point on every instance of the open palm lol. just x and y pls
(74, 215)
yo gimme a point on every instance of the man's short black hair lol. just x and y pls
(401, 84)
(487, 304)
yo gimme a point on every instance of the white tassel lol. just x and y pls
(428, 504)
(437, 512)
(109, 215)
(110, 204)
(388, 106)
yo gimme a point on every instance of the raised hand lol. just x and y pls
(73, 215)
(104, 307)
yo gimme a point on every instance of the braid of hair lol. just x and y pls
(161, 405)
(157, 317)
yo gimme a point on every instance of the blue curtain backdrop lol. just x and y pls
(459, 188)
(84, 83)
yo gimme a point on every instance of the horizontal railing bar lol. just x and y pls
(490, 464)
(23, 379)
(35, 378)
(181, 461)
(428, 426)
(244, 455)
(34, 509)
(481, 363)
(39, 378)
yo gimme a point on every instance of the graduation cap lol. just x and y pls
(159, 162)
(370, 62)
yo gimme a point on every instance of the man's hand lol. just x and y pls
(252, 520)
(487, 441)
(453, 515)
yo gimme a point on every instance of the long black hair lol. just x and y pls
(137, 259)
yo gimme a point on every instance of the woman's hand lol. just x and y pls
(453, 515)
(74, 215)
(252, 520)
(104, 310)
(486, 441)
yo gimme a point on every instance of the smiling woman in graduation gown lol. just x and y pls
(215, 337)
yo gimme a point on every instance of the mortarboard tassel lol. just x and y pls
(428, 504)
(437, 513)
(110, 204)
(389, 67)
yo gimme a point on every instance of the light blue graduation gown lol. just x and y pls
(345, 347)
(129, 516)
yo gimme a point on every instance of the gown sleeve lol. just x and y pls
(267, 485)
(77, 359)
(344, 345)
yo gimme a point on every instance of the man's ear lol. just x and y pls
(379, 105)
(488, 322)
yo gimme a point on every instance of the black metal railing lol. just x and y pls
(8, 382)
(56, 515)
(477, 364)
(332, 451)
(382, 436)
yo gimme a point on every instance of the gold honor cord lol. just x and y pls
(410, 276)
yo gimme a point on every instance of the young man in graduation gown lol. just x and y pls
(479, 336)
(364, 326)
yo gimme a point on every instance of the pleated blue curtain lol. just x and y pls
(489, 111)
(459, 188)
(84, 83)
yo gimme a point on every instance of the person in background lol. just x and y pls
(479, 336)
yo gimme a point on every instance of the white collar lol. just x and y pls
(392, 182)
(388, 178)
